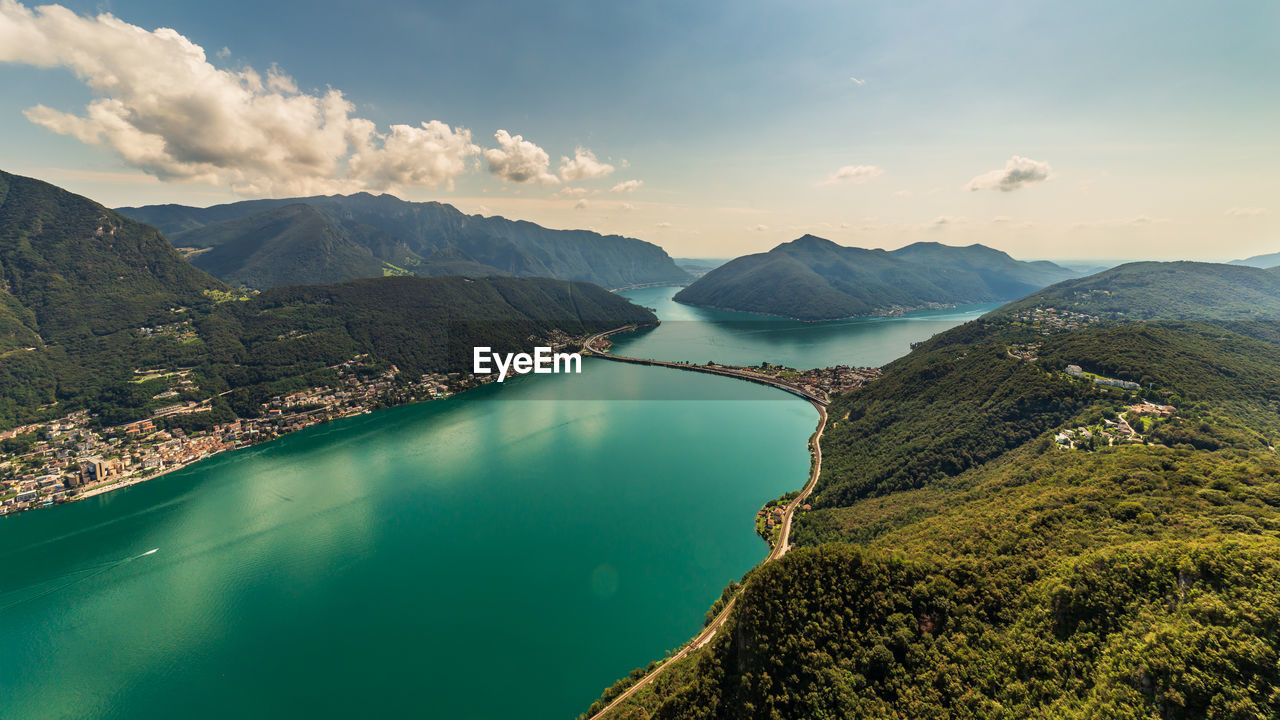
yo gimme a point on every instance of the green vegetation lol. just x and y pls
(296, 241)
(97, 296)
(816, 279)
(958, 563)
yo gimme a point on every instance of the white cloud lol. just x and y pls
(627, 186)
(854, 175)
(1019, 171)
(519, 161)
(581, 205)
(166, 110)
(664, 225)
(1247, 212)
(858, 81)
(626, 206)
(583, 166)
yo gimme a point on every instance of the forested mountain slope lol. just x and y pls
(364, 235)
(995, 537)
(90, 297)
(816, 279)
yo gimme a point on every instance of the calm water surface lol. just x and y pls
(506, 553)
(700, 334)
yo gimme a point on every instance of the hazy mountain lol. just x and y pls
(364, 235)
(816, 279)
(1269, 260)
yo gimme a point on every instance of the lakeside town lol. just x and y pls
(69, 459)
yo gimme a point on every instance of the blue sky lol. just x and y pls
(1045, 129)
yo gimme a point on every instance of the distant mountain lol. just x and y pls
(700, 266)
(88, 296)
(70, 268)
(1269, 260)
(815, 279)
(267, 243)
(1166, 291)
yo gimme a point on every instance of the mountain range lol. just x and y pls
(88, 295)
(815, 279)
(296, 241)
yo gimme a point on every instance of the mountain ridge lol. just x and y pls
(404, 235)
(812, 278)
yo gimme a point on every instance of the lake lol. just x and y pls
(508, 552)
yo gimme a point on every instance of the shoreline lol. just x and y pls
(776, 552)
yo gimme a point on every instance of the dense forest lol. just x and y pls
(961, 561)
(89, 297)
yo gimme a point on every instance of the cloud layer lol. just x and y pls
(1016, 173)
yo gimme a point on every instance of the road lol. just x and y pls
(783, 544)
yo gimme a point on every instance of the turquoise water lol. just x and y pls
(507, 553)
(701, 334)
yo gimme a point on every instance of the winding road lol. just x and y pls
(780, 548)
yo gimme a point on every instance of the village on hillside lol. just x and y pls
(68, 458)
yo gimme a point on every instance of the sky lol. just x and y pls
(1080, 130)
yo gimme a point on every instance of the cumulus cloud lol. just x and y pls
(854, 175)
(583, 166)
(166, 110)
(1247, 212)
(627, 186)
(581, 205)
(1016, 173)
(517, 160)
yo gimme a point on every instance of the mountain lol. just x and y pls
(89, 296)
(1269, 260)
(987, 540)
(77, 269)
(1166, 290)
(264, 244)
(815, 279)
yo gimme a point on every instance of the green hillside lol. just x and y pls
(816, 279)
(91, 296)
(959, 562)
(344, 237)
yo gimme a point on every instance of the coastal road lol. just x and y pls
(780, 548)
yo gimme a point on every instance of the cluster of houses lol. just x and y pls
(1047, 321)
(69, 458)
(1026, 351)
(1110, 432)
(1076, 371)
(822, 382)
